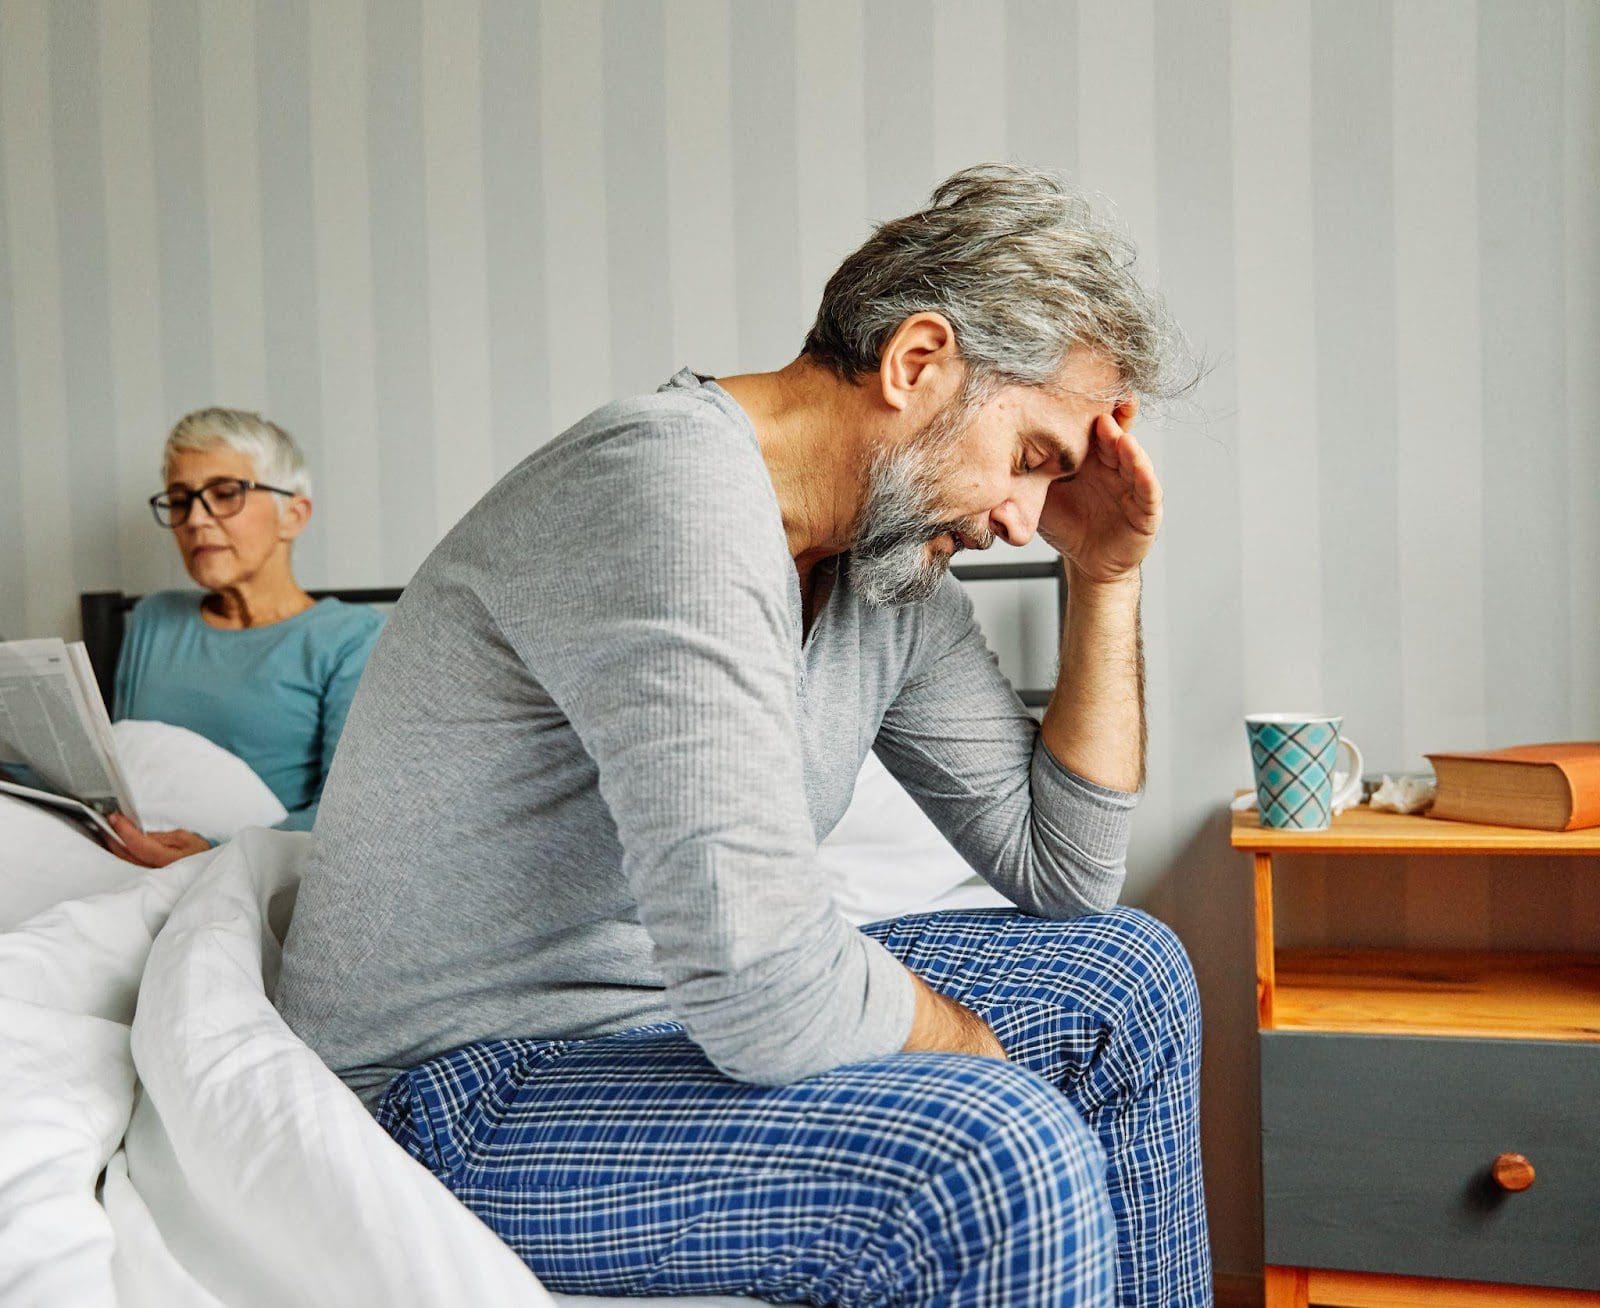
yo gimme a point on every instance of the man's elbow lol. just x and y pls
(775, 1024)
(742, 1063)
(1073, 889)
(780, 1054)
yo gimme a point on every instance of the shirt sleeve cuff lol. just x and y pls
(1094, 819)
(891, 1001)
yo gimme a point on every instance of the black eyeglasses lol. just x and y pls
(222, 498)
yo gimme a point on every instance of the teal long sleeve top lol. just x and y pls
(274, 695)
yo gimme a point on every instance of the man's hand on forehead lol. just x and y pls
(1105, 519)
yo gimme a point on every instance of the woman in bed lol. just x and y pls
(254, 663)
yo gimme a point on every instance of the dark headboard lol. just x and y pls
(104, 611)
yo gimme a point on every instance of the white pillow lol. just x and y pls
(181, 779)
(178, 779)
(885, 857)
(45, 859)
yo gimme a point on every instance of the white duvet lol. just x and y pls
(166, 1140)
(240, 1170)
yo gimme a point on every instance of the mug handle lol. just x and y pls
(1350, 794)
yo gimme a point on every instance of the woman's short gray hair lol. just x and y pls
(271, 450)
(1025, 269)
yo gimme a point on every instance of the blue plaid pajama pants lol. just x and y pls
(627, 1164)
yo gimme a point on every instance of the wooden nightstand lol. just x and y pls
(1407, 1094)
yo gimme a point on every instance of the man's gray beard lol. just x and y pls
(889, 561)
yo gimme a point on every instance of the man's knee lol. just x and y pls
(1157, 955)
(1006, 1130)
(1130, 960)
(1013, 1172)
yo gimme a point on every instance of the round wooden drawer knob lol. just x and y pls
(1512, 1172)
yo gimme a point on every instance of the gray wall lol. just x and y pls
(426, 235)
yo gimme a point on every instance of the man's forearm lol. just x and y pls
(1095, 724)
(944, 1025)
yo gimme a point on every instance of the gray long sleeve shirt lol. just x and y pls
(583, 779)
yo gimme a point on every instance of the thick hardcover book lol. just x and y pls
(1550, 787)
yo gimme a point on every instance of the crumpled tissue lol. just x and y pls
(1404, 794)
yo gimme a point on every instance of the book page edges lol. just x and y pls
(1577, 761)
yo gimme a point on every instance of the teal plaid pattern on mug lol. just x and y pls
(1294, 772)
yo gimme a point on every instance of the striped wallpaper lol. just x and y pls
(428, 234)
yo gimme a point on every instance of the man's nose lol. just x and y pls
(1016, 521)
(1011, 524)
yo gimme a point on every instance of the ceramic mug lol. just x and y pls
(1294, 756)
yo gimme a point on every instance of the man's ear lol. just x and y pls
(294, 519)
(917, 359)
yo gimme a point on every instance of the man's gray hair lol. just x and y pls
(272, 451)
(1024, 269)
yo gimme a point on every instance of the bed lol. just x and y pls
(165, 1139)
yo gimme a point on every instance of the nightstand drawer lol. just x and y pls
(1376, 1156)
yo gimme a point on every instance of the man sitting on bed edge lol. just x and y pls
(563, 929)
